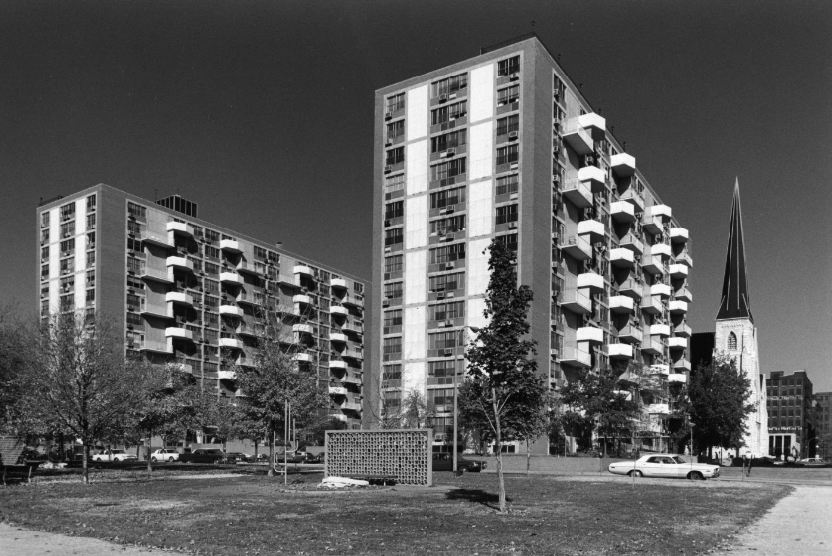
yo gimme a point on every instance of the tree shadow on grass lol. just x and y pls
(477, 496)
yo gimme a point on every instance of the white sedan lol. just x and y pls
(665, 465)
(112, 456)
(164, 455)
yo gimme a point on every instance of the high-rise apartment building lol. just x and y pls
(791, 420)
(505, 146)
(187, 291)
(823, 424)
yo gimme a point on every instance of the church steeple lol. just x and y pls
(735, 302)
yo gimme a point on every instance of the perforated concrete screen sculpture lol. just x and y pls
(403, 455)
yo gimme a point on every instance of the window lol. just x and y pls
(443, 340)
(393, 264)
(446, 282)
(67, 212)
(448, 253)
(44, 252)
(448, 113)
(394, 183)
(447, 225)
(395, 103)
(44, 235)
(134, 319)
(392, 400)
(508, 184)
(212, 269)
(212, 253)
(212, 236)
(508, 154)
(510, 241)
(447, 169)
(507, 214)
(211, 286)
(91, 295)
(135, 265)
(393, 291)
(134, 244)
(732, 341)
(259, 253)
(91, 241)
(392, 372)
(394, 156)
(393, 318)
(394, 210)
(507, 125)
(44, 219)
(447, 141)
(68, 229)
(508, 95)
(91, 203)
(393, 236)
(67, 284)
(393, 345)
(448, 85)
(211, 301)
(395, 130)
(136, 211)
(447, 311)
(68, 247)
(91, 221)
(90, 259)
(509, 66)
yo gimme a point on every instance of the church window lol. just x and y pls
(732, 341)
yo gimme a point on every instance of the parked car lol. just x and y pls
(234, 457)
(445, 462)
(203, 455)
(665, 465)
(316, 458)
(164, 455)
(814, 462)
(113, 455)
(291, 457)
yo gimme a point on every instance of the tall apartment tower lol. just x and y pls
(187, 291)
(505, 146)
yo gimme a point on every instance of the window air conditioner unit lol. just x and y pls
(443, 98)
(448, 351)
(448, 323)
(386, 223)
(514, 77)
(452, 96)
(388, 115)
(388, 249)
(513, 166)
(450, 152)
(449, 266)
(512, 225)
(388, 169)
(513, 135)
(440, 295)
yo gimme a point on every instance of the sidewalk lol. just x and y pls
(798, 524)
(21, 542)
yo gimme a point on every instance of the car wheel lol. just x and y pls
(696, 476)
(636, 473)
(153, 459)
(170, 459)
(462, 469)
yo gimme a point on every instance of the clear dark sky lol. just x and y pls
(262, 112)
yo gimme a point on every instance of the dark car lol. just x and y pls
(316, 458)
(292, 457)
(445, 462)
(203, 455)
(234, 457)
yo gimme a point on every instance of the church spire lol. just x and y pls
(735, 304)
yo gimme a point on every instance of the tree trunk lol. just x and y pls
(528, 457)
(271, 453)
(86, 471)
(147, 453)
(255, 451)
(498, 445)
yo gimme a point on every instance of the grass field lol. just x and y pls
(253, 514)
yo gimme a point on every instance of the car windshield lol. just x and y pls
(679, 459)
(118, 451)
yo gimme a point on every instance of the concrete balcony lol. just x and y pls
(658, 250)
(151, 310)
(622, 304)
(677, 377)
(685, 259)
(289, 280)
(351, 406)
(577, 247)
(620, 351)
(179, 333)
(353, 299)
(652, 224)
(303, 328)
(682, 329)
(575, 357)
(623, 164)
(339, 283)
(338, 311)
(634, 198)
(338, 337)
(230, 245)
(678, 307)
(231, 278)
(578, 194)
(180, 298)
(226, 375)
(249, 299)
(631, 288)
(678, 271)
(681, 365)
(652, 305)
(303, 269)
(251, 330)
(231, 311)
(180, 228)
(302, 299)
(577, 137)
(683, 294)
(593, 123)
(663, 211)
(159, 240)
(156, 347)
(591, 335)
(652, 347)
(591, 281)
(577, 301)
(337, 391)
(157, 274)
(335, 364)
(352, 353)
(677, 343)
(231, 343)
(653, 265)
(181, 263)
(593, 229)
(250, 268)
(630, 334)
(302, 357)
(658, 409)
(660, 369)
(354, 329)
(594, 177)
(622, 258)
(679, 235)
(661, 290)
(622, 211)
(350, 379)
(660, 330)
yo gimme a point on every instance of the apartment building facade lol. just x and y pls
(791, 416)
(188, 291)
(823, 424)
(505, 146)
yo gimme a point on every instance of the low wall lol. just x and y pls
(550, 465)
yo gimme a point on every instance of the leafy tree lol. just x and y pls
(417, 412)
(503, 387)
(318, 431)
(719, 404)
(12, 366)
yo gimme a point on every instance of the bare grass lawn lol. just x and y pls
(258, 515)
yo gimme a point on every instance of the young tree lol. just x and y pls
(417, 412)
(502, 377)
(12, 367)
(79, 381)
(719, 405)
